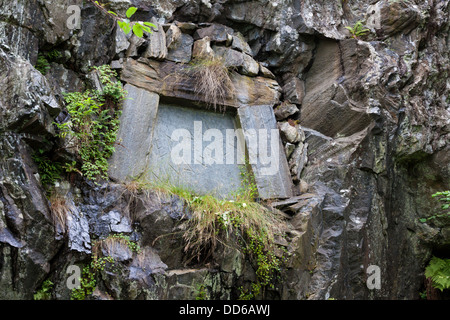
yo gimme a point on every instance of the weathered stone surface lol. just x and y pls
(269, 164)
(244, 63)
(190, 160)
(135, 135)
(299, 159)
(94, 43)
(202, 48)
(294, 90)
(289, 133)
(157, 47)
(326, 106)
(240, 44)
(216, 32)
(388, 18)
(27, 103)
(27, 234)
(122, 44)
(170, 80)
(285, 110)
(179, 45)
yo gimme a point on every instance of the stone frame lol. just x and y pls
(154, 78)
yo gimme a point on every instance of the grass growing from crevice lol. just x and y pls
(60, 210)
(212, 80)
(216, 223)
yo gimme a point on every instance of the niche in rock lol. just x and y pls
(199, 149)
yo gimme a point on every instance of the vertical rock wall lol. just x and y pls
(364, 122)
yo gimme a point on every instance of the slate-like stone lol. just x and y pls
(135, 134)
(196, 159)
(265, 151)
(179, 45)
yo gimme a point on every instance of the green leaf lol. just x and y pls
(146, 29)
(150, 24)
(137, 30)
(124, 26)
(112, 12)
(131, 11)
(423, 220)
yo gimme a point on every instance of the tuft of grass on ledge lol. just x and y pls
(241, 223)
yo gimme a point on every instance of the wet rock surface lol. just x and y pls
(364, 122)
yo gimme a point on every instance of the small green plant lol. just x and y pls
(42, 64)
(201, 292)
(124, 23)
(248, 190)
(442, 196)
(54, 55)
(358, 29)
(439, 272)
(98, 263)
(44, 59)
(45, 292)
(49, 170)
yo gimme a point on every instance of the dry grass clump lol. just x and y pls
(212, 80)
(59, 210)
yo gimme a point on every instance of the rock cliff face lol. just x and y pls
(364, 126)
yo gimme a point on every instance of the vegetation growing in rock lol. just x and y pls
(243, 223)
(125, 24)
(45, 292)
(212, 80)
(44, 59)
(442, 196)
(98, 263)
(42, 64)
(94, 122)
(49, 170)
(439, 272)
(358, 29)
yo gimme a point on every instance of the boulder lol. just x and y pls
(216, 32)
(202, 49)
(289, 133)
(179, 45)
(285, 110)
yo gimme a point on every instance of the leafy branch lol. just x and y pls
(124, 23)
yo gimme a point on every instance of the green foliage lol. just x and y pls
(49, 171)
(439, 272)
(42, 64)
(249, 189)
(358, 30)
(99, 263)
(92, 128)
(43, 60)
(249, 225)
(119, 237)
(442, 196)
(125, 24)
(201, 293)
(45, 292)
